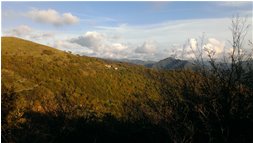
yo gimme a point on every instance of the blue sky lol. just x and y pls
(135, 30)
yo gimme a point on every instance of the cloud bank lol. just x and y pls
(96, 44)
(26, 32)
(52, 16)
(148, 47)
(149, 42)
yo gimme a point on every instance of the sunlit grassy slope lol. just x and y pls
(43, 74)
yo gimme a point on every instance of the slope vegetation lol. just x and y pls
(38, 71)
(50, 95)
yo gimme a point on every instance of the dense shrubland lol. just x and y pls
(53, 96)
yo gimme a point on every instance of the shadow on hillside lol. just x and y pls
(41, 128)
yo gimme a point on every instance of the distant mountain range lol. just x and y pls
(165, 64)
(172, 64)
(176, 64)
(136, 62)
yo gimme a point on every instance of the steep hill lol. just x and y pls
(38, 71)
(42, 86)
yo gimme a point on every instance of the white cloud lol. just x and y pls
(216, 45)
(51, 16)
(215, 48)
(106, 46)
(68, 18)
(100, 45)
(148, 47)
(193, 43)
(192, 49)
(175, 32)
(91, 39)
(26, 32)
(65, 45)
(118, 47)
(20, 31)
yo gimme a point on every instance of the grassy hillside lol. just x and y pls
(35, 70)
(43, 80)
(53, 96)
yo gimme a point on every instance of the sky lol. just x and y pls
(126, 30)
